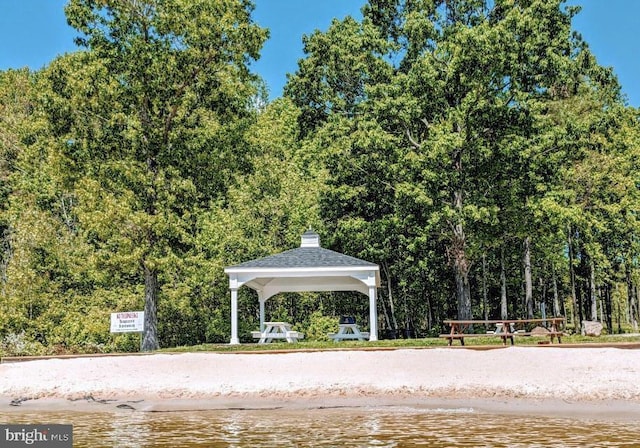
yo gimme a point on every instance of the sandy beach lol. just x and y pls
(527, 379)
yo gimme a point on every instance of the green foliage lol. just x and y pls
(447, 156)
(17, 344)
(156, 104)
(320, 326)
(430, 137)
(269, 208)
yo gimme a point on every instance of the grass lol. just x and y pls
(396, 343)
(621, 340)
(308, 345)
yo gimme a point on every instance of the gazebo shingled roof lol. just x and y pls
(304, 257)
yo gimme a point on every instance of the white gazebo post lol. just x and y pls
(234, 317)
(373, 314)
(233, 286)
(261, 301)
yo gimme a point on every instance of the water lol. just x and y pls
(336, 427)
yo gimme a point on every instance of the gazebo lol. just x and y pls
(306, 268)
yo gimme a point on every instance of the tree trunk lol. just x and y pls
(385, 313)
(5, 256)
(543, 302)
(572, 276)
(429, 310)
(390, 292)
(607, 297)
(583, 289)
(408, 322)
(150, 335)
(504, 309)
(594, 299)
(636, 314)
(556, 302)
(528, 285)
(637, 304)
(461, 264)
(631, 299)
(463, 292)
(150, 338)
(619, 320)
(485, 311)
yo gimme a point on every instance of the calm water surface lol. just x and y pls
(337, 427)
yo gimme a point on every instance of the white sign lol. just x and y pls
(127, 322)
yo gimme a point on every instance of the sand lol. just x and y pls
(529, 379)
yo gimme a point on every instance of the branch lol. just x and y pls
(413, 142)
(410, 137)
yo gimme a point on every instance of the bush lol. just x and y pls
(17, 344)
(125, 343)
(320, 326)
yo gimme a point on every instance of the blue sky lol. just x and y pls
(33, 32)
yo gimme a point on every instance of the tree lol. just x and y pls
(448, 135)
(595, 196)
(13, 111)
(47, 276)
(268, 207)
(154, 107)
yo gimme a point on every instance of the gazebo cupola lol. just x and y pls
(310, 239)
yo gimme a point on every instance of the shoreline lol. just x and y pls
(589, 382)
(602, 410)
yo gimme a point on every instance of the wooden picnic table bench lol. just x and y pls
(505, 329)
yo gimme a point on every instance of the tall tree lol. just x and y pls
(15, 107)
(153, 105)
(455, 100)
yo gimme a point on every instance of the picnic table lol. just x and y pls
(504, 329)
(277, 330)
(349, 331)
